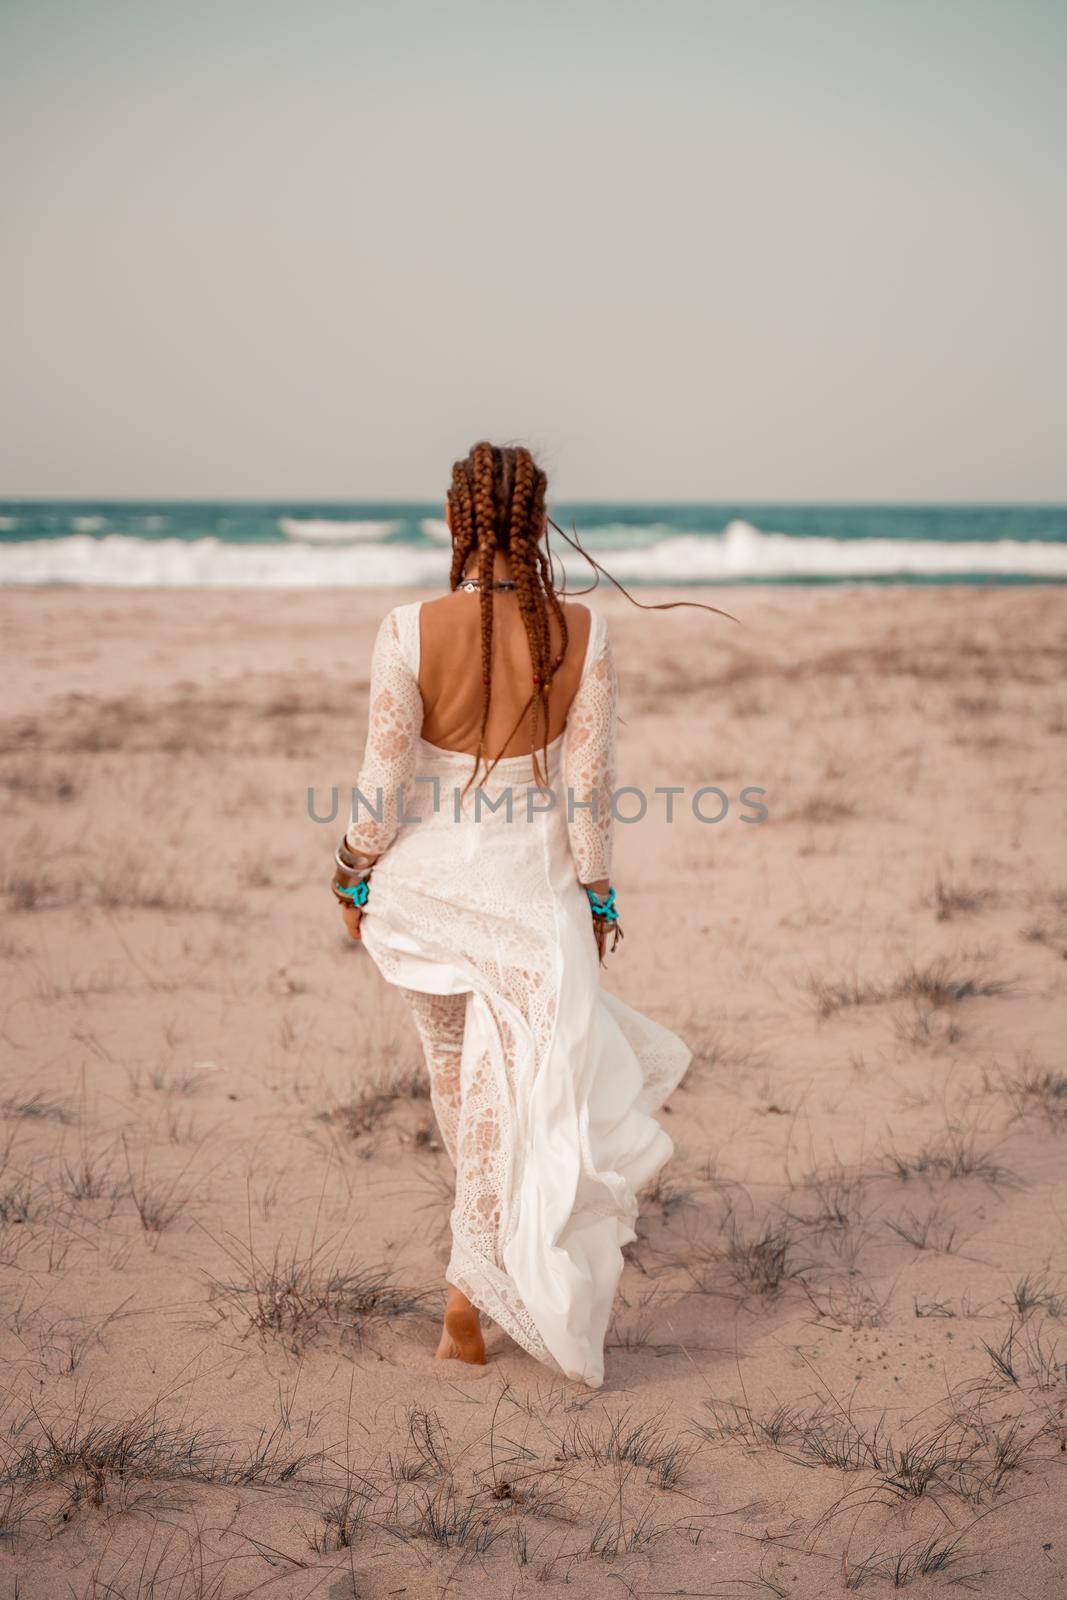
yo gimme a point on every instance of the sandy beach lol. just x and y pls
(839, 1357)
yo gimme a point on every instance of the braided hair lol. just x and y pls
(496, 501)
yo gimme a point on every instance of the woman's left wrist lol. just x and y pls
(351, 878)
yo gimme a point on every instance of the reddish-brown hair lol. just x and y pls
(496, 501)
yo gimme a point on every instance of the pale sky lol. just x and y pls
(686, 249)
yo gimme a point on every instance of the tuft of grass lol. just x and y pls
(922, 1026)
(934, 1231)
(924, 1559)
(157, 1205)
(37, 1108)
(996, 1452)
(298, 1297)
(645, 1442)
(271, 1460)
(1003, 1356)
(723, 1055)
(454, 1521)
(344, 1520)
(758, 1256)
(953, 897)
(831, 1201)
(962, 1453)
(119, 1464)
(838, 994)
(853, 1302)
(820, 1436)
(89, 1177)
(612, 1538)
(760, 1261)
(942, 981)
(101, 1462)
(956, 1153)
(916, 1465)
(1022, 1357)
(363, 1113)
(1034, 1292)
(1034, 1090)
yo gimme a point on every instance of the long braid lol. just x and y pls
(461, 515)
(527, 585)
(485, 530)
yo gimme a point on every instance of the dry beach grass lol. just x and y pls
(838, 1362)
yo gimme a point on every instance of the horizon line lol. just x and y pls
(563, 500)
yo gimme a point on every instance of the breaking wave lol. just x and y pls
(319, 554)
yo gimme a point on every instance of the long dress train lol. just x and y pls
(543, 1084)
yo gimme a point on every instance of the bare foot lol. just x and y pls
(461, 1338)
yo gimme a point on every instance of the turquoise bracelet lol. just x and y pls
(605, 907)
(358, 894)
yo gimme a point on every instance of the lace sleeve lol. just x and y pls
(589, 762)
(393, 728)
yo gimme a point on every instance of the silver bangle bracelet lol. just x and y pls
(350, 867)
(354, 860)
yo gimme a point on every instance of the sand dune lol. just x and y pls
(839, 1359)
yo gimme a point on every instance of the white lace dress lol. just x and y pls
(541, 1082)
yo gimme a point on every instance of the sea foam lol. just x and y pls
(742, 553)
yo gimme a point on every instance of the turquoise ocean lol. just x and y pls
(185, 544)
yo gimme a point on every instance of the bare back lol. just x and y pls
(450, 673)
